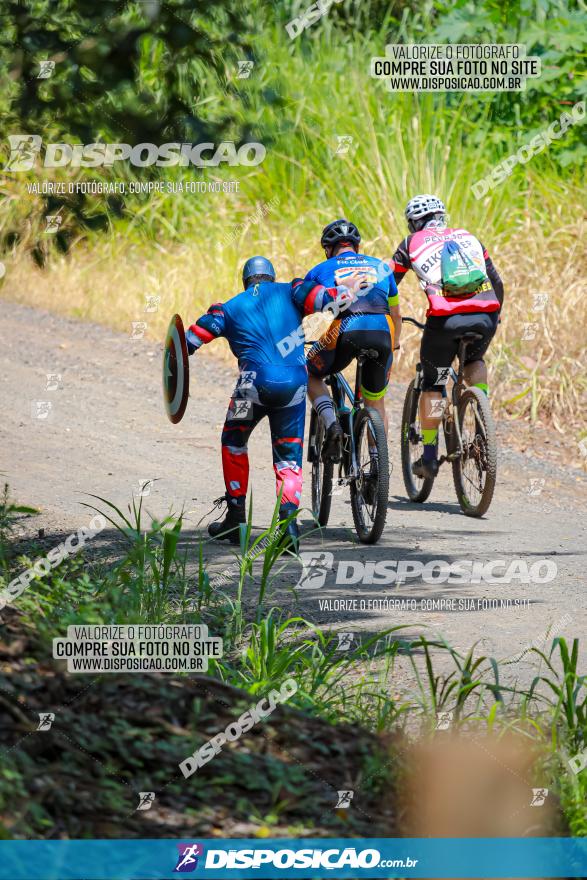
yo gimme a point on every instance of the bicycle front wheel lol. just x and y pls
(475, 470)
(322, 472)
(370, 486)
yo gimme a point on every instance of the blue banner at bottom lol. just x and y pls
(306, 858)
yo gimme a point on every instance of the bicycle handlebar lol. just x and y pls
(413, 321)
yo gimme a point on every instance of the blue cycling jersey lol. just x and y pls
(381, 292)
(259, 322)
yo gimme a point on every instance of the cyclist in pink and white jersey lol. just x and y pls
(432, 249)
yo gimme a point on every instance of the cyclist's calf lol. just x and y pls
(475, 373)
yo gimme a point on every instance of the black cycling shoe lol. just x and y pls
(332, 446)
(426, 470)
(290, 538)
(227, 529)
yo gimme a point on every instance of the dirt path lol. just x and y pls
(107, 434)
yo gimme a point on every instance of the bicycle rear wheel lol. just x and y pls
(412, 448)
(370, 488)
(475, 470)
(322, 472)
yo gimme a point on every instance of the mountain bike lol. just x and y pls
(469, 433)
(364, 464)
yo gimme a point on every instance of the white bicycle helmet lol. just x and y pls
(420, 207)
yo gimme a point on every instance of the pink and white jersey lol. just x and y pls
(421, 251)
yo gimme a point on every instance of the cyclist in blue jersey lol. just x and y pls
(271, 383)
(371, 320)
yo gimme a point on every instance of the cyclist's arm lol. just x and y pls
(401, 262)
(394, 311)
(310, 296)
(210, 326)
(493, 276)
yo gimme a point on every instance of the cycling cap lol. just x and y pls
(339, 230)
(257, 266)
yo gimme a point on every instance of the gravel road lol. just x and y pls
(106, 433)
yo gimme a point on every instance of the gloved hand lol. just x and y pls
(193, 342)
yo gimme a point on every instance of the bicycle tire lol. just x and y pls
(476, 396)
(370, 418)
(418, 489)
(322, 472)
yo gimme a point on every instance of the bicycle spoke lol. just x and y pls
(474, 453)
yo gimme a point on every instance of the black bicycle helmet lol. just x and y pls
(339, 232)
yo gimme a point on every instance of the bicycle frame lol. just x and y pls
(341, 392)
(457, 379)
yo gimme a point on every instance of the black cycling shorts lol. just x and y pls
(343, 341)
(440, 342)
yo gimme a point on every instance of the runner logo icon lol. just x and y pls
(187, 860)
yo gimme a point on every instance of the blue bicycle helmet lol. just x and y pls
(255, 267)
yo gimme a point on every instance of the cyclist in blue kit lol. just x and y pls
(271, 383)
(372, 320)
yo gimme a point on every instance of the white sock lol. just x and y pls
(325, 409)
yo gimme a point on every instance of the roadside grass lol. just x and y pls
(155, 582)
